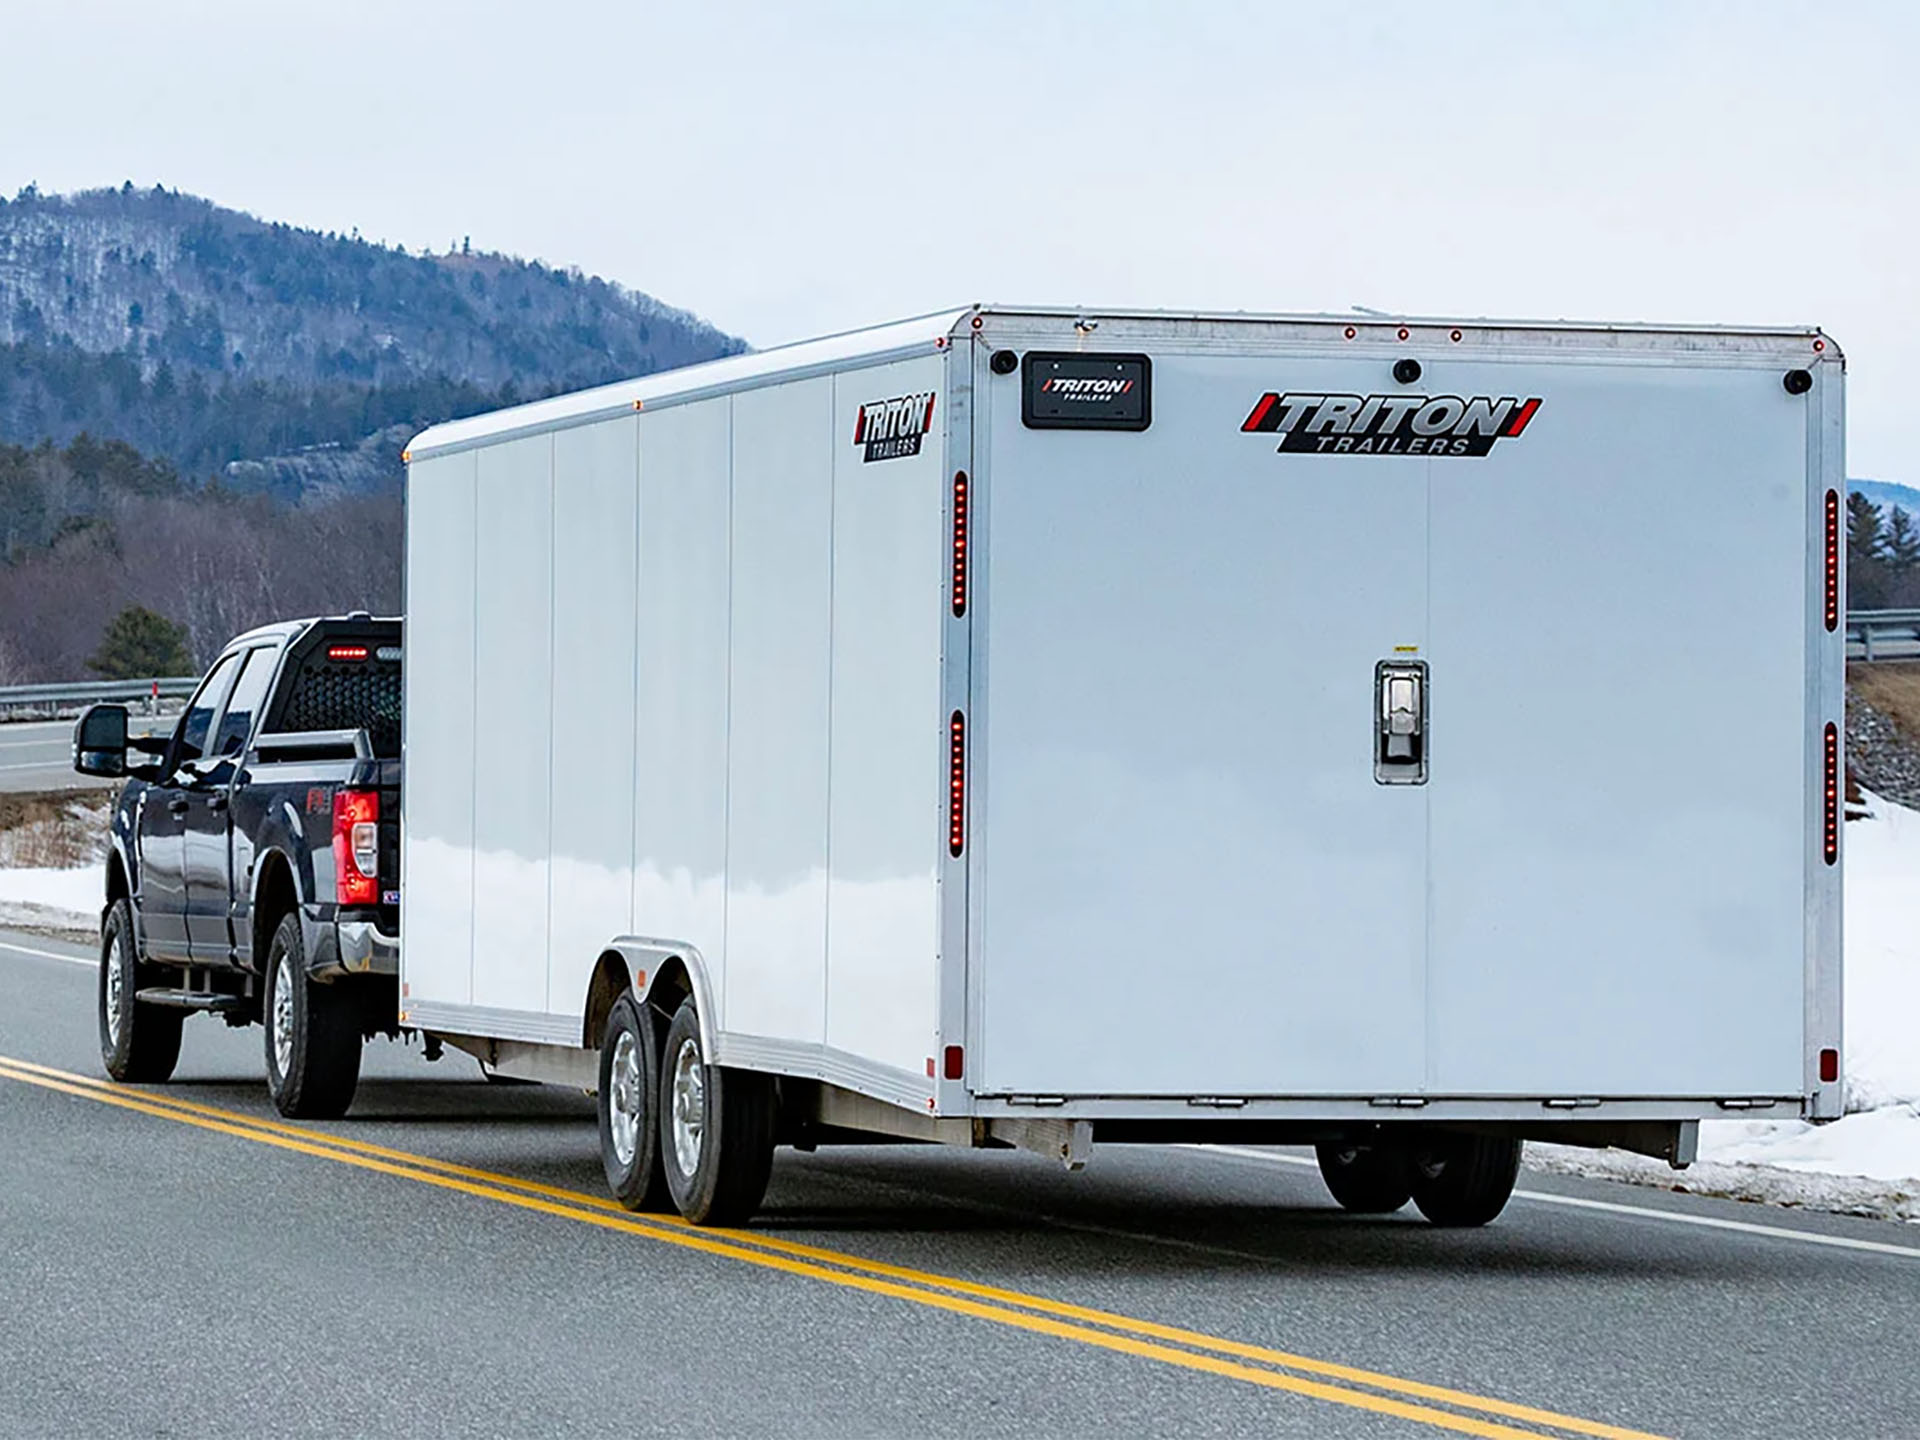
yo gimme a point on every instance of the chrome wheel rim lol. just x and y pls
(283, 1015)
(623, 1099)
(116, 985)
(689, 1106)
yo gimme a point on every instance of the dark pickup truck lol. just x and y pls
(255, 864)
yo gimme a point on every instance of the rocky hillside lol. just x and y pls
(208, 337)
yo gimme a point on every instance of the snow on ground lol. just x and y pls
(63, 901)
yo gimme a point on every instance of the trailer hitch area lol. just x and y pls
(1068, 1141)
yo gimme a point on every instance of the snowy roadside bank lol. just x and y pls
(53, 902)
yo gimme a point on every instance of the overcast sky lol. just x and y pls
(790, 169)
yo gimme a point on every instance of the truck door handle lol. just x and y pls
(1400, 722)
(177, 805)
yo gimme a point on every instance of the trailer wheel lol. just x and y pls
(1464, 1180)
(630, 1108)
(1366, 1179)
(313, 1034)
(139, 1044)
(716, 1129)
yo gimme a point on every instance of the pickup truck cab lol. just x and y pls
(254, 870)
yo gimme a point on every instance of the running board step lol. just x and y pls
(190, 999)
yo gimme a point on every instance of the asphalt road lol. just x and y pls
(176, 1261)
(38, 755)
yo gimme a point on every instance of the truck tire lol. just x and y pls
(716, 1129)
(139, 1044)
(1464, 1180)
(313, 1034)
(629, 1105)
(1366, 1179)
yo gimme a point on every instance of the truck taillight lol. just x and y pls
(956, 784)
(1833, 559)
(1830, 796)
(356, 847)
(959, 543)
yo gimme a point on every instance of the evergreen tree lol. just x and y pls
(140, 644)
(1866, 537)
(1902, 541)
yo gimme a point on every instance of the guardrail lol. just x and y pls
(1883, 634)
(86, 692)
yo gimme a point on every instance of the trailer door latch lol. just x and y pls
(1400, 722)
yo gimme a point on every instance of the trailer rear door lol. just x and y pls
(1619, 784)
(1188, 881)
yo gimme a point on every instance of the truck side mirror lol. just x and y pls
(100, 741)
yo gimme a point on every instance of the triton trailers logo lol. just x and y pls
(1389, 424)
(1085, 388)
(891, 429)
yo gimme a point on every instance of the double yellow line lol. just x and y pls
(1344, 1385)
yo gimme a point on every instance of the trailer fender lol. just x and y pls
(649, 958)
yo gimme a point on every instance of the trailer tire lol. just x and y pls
(1366, 1179)
(1464, 1180)
(629, 1105)
(716, 1129)
(312, 1033)
(139, 1044)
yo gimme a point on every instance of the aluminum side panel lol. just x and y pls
(596, 516)
(436, 895)
(680, 745)
(513, 719)
(1191, 883)
(777, 763)
(888, 755)
(1619, 811)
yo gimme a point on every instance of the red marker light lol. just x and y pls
(956, 784)
(1829, 1066)
(956, 1062)
(1830, 809)
(346, 652)
(960, 497)
(1832, 613)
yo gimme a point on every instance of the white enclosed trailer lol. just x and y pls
(1036, 727)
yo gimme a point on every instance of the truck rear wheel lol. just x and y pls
(1464, 1180)
(139, 1044)
(1366, 1179)
(313, 1034)
(716, 1129)
(630, 1108)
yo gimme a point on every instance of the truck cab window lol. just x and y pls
(190, 741)
(236, 722)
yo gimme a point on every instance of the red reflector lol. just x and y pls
(346, 652)
(1829, 1066)
(1833, 559)
(356, 847)
(956, 1062)
(956, 784)
(959, 543)
(1830, 797)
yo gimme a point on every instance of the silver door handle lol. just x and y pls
(1400, 722)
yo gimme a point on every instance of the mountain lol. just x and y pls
(201, 412)
(206, 337)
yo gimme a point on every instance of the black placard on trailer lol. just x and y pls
(1067, 391)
